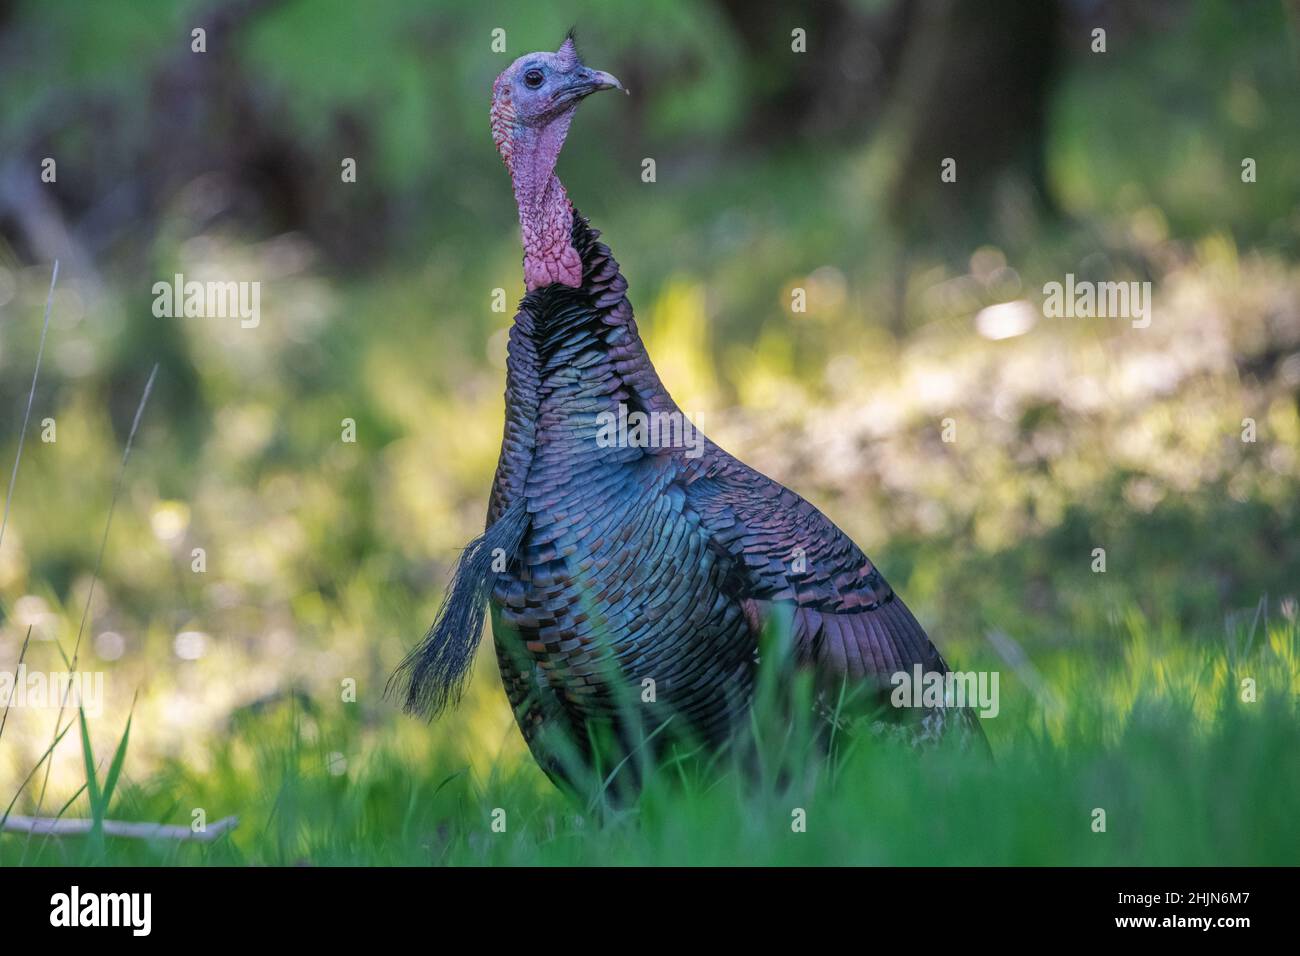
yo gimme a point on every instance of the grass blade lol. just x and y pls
(31, 396)
(92, 784)
(119, 756)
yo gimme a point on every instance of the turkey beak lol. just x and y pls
(592, 81)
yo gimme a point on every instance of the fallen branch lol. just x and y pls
(53, 826)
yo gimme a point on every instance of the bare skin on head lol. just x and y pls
(533, 102)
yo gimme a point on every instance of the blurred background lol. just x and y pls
(775, 170)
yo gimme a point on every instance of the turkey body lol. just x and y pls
(654, 568)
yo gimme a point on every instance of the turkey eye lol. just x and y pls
(533, 79)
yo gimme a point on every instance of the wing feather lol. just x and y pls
(848, 622)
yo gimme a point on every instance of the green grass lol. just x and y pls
(1158, 737)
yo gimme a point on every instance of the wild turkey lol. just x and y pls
(613, 564)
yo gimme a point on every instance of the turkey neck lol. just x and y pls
(575, 354)
(545, 214)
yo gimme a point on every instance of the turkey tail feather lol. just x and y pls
(433, 675)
